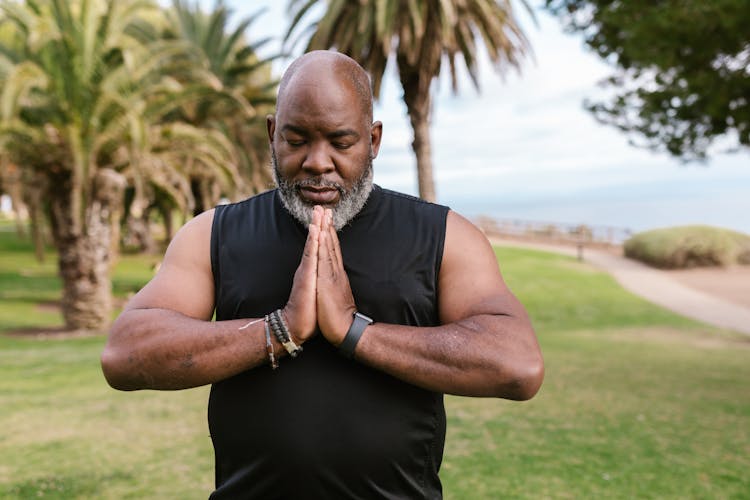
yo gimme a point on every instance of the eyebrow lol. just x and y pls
(333, 135)
(343, 133)
(292, 128)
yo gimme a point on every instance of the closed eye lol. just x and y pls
(343, 139)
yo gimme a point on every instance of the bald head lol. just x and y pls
(322, 137)
(330, 66)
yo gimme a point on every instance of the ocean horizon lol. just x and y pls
(636, 214)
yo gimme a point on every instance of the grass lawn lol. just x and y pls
(637, 402)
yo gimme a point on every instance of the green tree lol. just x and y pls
(240, 92)
(420, 34)
(682, 76)
(225, 90)
(80, 113)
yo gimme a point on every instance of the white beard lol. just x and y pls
(349, 205)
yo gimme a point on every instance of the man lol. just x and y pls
(358, 411)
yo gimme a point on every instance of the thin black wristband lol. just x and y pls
(353, 335)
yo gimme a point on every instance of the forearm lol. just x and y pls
(163, 349)
(484, 355)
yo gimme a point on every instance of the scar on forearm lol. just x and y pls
(187, 362)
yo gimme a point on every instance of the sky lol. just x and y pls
(524, 148)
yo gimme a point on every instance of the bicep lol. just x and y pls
(184, 282)
(470, 282)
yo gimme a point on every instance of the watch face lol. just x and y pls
(362, 316)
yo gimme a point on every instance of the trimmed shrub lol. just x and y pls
(689, 246)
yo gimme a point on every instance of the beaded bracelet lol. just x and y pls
(269, 345)
(281, 332)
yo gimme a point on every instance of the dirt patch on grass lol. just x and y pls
(731, 283)
(722, 339)
(49, 306)
(51, 333)
(54, 305)
(57, 332)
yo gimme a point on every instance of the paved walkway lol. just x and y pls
(657, 287)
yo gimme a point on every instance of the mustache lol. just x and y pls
(318, 182)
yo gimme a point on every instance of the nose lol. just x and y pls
(318, 160)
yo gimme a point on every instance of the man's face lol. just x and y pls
(322, 148)
(350, 201)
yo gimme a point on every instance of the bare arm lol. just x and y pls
(486, 345)
(165, 339)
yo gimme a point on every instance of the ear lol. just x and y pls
(376, 133)
(270, 126)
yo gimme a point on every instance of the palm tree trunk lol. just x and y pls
(418, 107)
(416, 71)
(165, 210)
(34, 196)
(84, 256)
(139, 232)
(423, 151)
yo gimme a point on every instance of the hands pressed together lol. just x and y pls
(321, 297)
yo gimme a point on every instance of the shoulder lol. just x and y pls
(183, 282)
(266, 198)
(409, 200)
(192, 240)
(461, 229)
(465, 244)
(410, 210)
(470, 281)
(409, 217)
(259, 204)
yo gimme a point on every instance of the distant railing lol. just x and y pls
(553, 232)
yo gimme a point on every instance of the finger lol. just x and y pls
(300, 310)
(333, 244)
(325, 234)
(326, 263)
(313, 237)
(325, 218)
(331, 248)
(317, 216)
(309, 262)
(333, 241)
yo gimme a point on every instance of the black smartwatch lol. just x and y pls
(352, 336)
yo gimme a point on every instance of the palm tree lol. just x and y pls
(420, 34)
(81, 112)
(241, 88)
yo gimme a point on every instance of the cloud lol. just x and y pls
(526, 144)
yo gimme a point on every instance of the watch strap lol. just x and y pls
(353, 335)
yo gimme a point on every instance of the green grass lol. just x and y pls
(26, 286)
(66, 434)
(619, 416)
(637, 402)
(564, 294)
(29, 290)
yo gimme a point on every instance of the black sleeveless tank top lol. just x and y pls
(322, 426)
